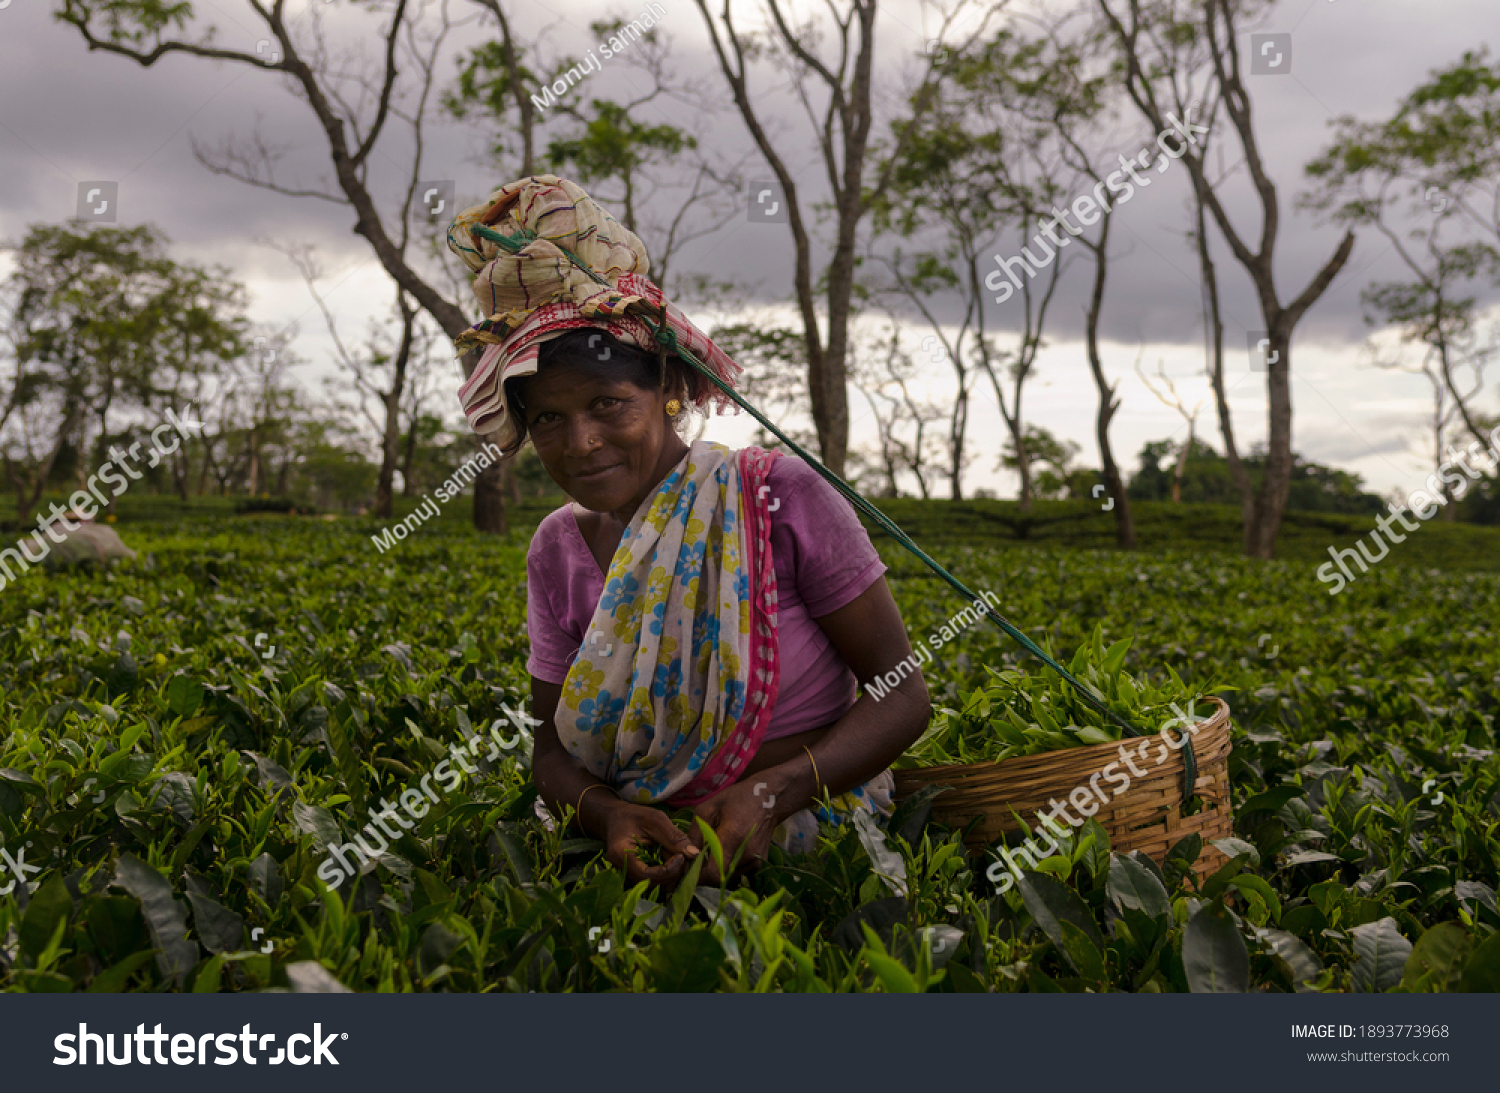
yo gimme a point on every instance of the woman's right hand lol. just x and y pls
(630, 826)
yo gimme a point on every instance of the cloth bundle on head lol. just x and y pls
(522, 244)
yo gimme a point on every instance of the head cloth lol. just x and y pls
(548, 258)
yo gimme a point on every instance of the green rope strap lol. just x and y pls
(665, 336)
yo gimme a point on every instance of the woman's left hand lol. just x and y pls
(741, 816)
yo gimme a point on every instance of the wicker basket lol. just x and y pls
(1143, 816)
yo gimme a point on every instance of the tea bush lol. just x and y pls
(183, 737)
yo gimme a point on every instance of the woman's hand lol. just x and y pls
(742, 817)
(629, 827)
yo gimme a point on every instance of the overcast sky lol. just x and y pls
(68, 117)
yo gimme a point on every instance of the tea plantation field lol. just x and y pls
(183, 736)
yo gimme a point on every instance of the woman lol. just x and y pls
(701, 620)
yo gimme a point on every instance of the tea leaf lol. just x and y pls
(165, 916)
(1436, 962)
(50, 907)
(1214, 957)
(1133, 885)
(1382, 955)
(1051, 904)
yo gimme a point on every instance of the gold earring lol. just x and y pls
(673, 407)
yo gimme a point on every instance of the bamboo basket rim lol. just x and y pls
(1051, 762)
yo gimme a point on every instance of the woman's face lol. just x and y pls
(583, 422)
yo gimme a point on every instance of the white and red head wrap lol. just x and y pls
(538, 292)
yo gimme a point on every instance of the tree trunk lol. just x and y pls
(1115, 482)
(1446, 364)
(1108, 403)
(831, 380)
(1182, 458)
(489, 501)
(1276, 484)
(410, 456)
(390, 448)
(253, 450)
(489, 497)
(915, 462)
(203, 468)
(890, 449)
(1023, 466)
(956, 441)
(489, 487)
(1213, 322)
(512, 481)
(179, 475)
(1445, 491)
(22, 509)
(25, 502)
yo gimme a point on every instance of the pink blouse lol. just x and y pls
(823, 559)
